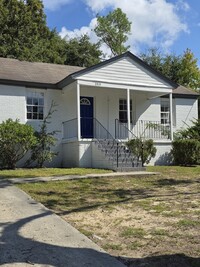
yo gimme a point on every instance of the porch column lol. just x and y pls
(171, 117)
(78, 111)
(128, 112)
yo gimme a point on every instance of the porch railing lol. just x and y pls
(142, 128)
(70, 129)
(91, 125)
(100, 132)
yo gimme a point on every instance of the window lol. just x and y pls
(35, 106)
(123, 111)
(165, 111)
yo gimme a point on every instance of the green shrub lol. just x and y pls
(144, 150)
(15, 141)
(186, 152)
(192, 132)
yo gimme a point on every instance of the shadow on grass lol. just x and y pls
(174, 260)
(69, 203)
(4, 183)
(171, 181)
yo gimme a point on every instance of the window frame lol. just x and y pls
(163, 102)
(124, 110)
(35, 106)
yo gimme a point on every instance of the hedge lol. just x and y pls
(186, 152)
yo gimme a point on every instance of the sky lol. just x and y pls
(171, 25)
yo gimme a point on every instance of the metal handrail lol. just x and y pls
(130, 133)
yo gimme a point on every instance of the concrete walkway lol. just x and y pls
(72, 177)
(31, 235)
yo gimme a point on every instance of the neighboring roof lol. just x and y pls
(13, 71)
(182, 91)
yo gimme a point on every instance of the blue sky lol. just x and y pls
(171, 25)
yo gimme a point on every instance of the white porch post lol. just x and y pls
(171, 117)
(78, 111)
(128, 112)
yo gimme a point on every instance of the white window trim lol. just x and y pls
(31, 93)
(173, 110)
(131, 110)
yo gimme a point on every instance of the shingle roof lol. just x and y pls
(34, 72)
(13, 71)
(181, 90)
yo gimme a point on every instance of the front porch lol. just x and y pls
(105, 118)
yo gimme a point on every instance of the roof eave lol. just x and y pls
(191, 96)
(66, 81)
(29, 84)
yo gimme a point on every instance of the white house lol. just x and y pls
(98, 108)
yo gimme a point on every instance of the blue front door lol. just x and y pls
(86, 117)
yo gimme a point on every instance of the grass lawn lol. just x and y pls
(151, 221)
(47, 172)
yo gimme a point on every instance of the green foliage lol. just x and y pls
(15, 141)
(186, 152)
(187, 144)
(81, 52)
(25, 35)
(113, 30)
(182, 69)
(192, 132)
(143, 149)
(42, 150)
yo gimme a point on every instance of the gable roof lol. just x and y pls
(13, 71)
(128, 54)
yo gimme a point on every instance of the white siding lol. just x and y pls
(70, 154)
(186, 111)
(12, 103)
(163, 156)
(85, 154)
(125, 71)
(99, 161)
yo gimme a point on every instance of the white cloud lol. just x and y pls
(89, 30)
(154, 22)
(55, 4)
(65, 33)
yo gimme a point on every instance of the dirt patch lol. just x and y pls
(162, 229)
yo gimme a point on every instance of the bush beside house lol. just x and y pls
(144, 150)
(186, 146)
(15, 141)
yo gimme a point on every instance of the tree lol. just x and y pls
(81, 52)
(113, 30)
(41, 151)
(15, 141)
(25, 35)
(182, 69)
